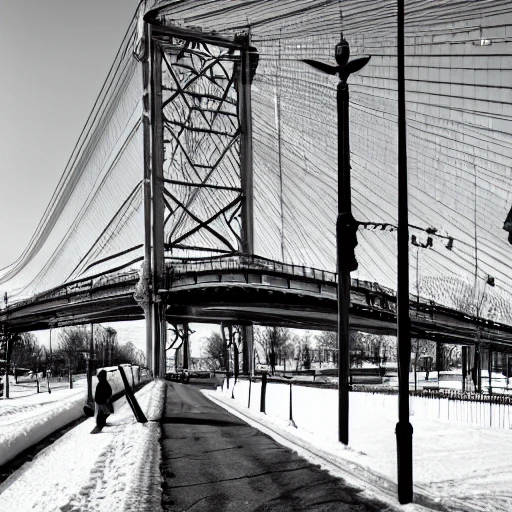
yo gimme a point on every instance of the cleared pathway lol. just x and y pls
(215, 462)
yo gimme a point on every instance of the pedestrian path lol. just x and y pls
(213, 461)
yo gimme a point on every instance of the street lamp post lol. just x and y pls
(346, 226)
(404, 430)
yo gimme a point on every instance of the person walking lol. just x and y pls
(102, 399)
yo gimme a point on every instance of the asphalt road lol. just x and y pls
(215, 462)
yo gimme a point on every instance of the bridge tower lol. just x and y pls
(198, 183)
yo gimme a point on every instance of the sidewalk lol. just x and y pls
(117, 469)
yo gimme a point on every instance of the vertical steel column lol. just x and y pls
(146, 124)
(478, 369)
(246, 161)
(163, 341)
(89, 404)
(404, 429)
(185, 346)
(157, 259)
(438, 361)
(51, 354)
(246, 176)
(489, 369)
(249, 348)
(344, 208)
(8, 351)
(177, 356)
(245, 354)
(464, 367)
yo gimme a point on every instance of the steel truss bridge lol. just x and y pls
(196, 195)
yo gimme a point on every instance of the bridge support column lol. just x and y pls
(144, 296)
(489, 368)
(478, 369)
(159, 333)
(186, 346)
(248, 344)
(149, 336)
(157, 211)
(464, 367)
(249, 59)
(8, 351)
(163, 343)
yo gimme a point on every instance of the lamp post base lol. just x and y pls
(403, 433)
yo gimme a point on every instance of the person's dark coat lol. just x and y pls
(103, 389)
(101, 397)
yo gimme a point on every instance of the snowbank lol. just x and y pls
(460, 465)
(26, 421)
(117, 469)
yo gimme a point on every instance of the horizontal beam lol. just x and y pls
(203, 185)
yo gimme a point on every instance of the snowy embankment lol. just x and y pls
(458, 465)
(26, 421)
(117, 469)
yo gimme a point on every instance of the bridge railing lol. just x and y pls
(181, 266)
(237, 262)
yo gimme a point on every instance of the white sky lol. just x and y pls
(55, 55)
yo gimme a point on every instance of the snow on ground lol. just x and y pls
(458, 464)
(25, 420)
(117, 469)
(28, 386)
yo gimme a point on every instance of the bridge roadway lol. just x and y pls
(243, 291)
(213, 461)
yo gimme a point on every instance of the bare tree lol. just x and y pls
(128, 353)
(422, 348)
(23, 349)
(327, 344)
(213, 351)
(72, 343)
(302, 346)
(274, 342)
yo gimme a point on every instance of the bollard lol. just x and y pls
(263, 392)
(292, 422)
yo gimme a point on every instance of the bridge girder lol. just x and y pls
(248, 296)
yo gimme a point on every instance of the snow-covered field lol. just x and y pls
(461, 465)
(115, 470)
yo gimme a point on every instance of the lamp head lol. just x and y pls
(342, 51)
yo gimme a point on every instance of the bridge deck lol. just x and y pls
(248, 291)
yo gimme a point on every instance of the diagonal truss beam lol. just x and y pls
(201, 223)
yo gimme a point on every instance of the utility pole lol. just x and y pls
(346, 226)
(403, 427)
